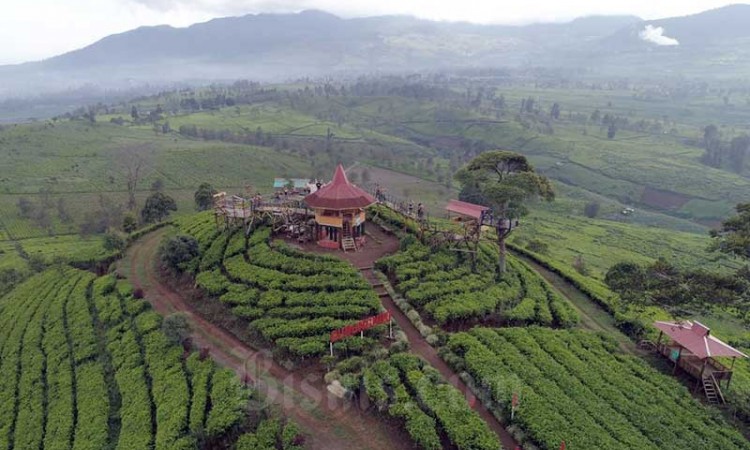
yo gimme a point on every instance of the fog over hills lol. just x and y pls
(313, 43)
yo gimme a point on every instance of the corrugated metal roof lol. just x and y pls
(697, 339)
(339, 194)
(466, 209)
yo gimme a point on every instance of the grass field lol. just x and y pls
(82, 163)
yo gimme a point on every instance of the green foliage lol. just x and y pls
(228, 402)
(129, 223)
(734, 235)
(443, 285)
(178, 251)
(114, 242)
(204, 197)
(290, 298)
(598, 399)
(213, 282)
(157, 207)
(78, 345)
(425, 402)
(505, 181)
(176, 328)
(664, 285)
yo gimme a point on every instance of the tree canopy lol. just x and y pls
(157, 207)
(204, 197)
(662, 284)
(734, 235)
(178, 251)
(504, 181)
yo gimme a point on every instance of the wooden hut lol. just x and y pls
(692, 348)
(339, 208)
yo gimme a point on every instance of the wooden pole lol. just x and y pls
(700, 379)
(331, 344)
(658, 341)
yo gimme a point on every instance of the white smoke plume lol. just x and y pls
(655, 35)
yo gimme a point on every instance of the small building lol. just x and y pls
(462, 211)
(692, 348)
(339, 208)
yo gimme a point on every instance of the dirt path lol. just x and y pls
(330, 423)
(593, 317)
(380, 245)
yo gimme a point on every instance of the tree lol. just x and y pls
(733, 237)
(204, 197)
(157, 185)
(679, 291)
(133, 161)
(591, 209)
(178, 251)
(738, 149)
(504, 181)
(129, 223)
(157, 207)
(113, 242)
(176, 328)
(25, 208)
(611, 130)
(555, 111)
(712, 145)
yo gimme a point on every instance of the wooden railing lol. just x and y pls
(718, 389)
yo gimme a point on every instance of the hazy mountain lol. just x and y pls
(273, 46)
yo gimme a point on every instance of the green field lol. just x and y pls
(574, 385)
(89, 364)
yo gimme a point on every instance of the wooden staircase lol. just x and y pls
(712, 390)
(347, 242)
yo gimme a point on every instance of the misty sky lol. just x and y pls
(36, 29)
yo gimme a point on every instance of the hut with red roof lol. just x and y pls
(692, 348)
(339, 208)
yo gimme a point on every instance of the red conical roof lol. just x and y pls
(339, 194)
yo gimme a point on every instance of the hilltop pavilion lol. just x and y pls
(692, 348)
(339, 208)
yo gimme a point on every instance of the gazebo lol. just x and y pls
(692, 348)
(339, 212)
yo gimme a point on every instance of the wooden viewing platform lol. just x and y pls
(692, 348)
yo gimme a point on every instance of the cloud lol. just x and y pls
(655, 35)
(226, 6)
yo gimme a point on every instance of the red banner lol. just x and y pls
(362, 325)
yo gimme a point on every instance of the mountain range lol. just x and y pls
(314, 43)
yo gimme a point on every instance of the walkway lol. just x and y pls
(329, 422)
(382, 244)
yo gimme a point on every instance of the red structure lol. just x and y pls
(339, 212)
(469, 210)
(692, 348)
(362, 325)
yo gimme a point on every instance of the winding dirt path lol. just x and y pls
(329, 422)
(593, 317)
(382, 244)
